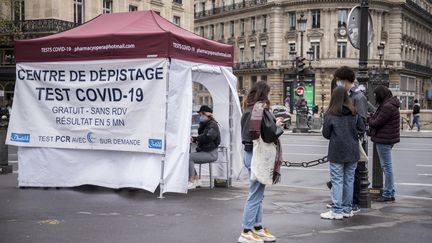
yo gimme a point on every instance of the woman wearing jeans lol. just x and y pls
(384, 129)
(342, 127)
(253, 230)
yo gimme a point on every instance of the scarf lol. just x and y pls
(278, 163)
(256, 118)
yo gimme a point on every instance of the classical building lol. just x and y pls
(265, 33)
(21, 19)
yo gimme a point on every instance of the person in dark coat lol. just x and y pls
(342, 126)
(384, 129)
(207, 141)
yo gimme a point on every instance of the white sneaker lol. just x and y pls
(191, 185)
(328, 205)
(331, 215)
(265, 235)
(249, 237)
(348, 215)
(198, 183)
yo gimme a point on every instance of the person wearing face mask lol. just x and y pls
(345, 77)
(207, 141)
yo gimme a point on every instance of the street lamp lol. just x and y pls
(302, 26)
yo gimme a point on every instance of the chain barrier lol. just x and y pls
(306, 164)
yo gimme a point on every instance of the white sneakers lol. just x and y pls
(348, 215)
(257, 236)
(265, 235)
(331, 215)
(194, 184)
(249, 237)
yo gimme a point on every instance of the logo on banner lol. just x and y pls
(20, 137)
(155, 143)
(90, 137)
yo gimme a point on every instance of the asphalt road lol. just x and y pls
(412, 160)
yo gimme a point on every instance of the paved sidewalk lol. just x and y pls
(94, 214)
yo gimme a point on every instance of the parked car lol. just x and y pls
(282, 111)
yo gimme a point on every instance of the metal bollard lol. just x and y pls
(5, 168)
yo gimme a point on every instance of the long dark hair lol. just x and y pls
(259, 92)
(382, 93)
(339, 99)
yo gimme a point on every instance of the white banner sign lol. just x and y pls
(105, 104)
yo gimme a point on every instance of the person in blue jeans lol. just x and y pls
(253, 230)
(342, 126)
(384, 129)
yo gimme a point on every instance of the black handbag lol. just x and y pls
(269, 131)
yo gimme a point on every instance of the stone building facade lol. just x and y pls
(21, 19)
(264, 32)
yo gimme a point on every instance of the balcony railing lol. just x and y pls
(228, 8)
(418, 68)
(36, 26)
(250, 65)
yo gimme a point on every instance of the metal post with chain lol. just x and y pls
(306, 164)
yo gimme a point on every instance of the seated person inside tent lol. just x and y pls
(207, 141)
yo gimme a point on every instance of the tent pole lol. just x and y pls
(162, 181)
(231, 130)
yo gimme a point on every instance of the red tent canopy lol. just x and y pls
(124, 35)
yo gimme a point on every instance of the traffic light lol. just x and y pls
(300, 64)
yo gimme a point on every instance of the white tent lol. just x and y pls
(66, 167)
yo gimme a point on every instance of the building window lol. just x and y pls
(201, 32)
(253, 25)
(176, 20)
(222, 30)
(19, 13)
(203, 7)
(292, 47)
(78, 11)
(264, 78)
(178, 1)
(7, 57)
(342, 18)
(341, 49)
(253, 80)
(232, 26)
(133, 8)
(240, 82)
(316, 49)
(211, 34)
(252, 53)
(407, 83)
(316, 19)
(292, 20)
(242, 27)
(241, 54)
(264, 23)
(107, 6)
(382, 22)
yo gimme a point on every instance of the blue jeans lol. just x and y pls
(384, 154)
(342, 179)
(416, 122)
(253, 210)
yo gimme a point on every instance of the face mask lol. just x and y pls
(202, 119)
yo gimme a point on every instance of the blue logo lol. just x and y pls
(20, 137)
(90, 137)
(155, 143)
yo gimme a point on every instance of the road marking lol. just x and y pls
(424, 174)
(13, 162)
(413, 184)
(424, 165)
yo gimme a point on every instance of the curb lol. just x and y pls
(427, 134)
